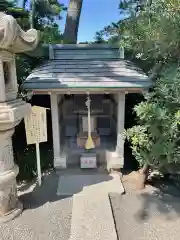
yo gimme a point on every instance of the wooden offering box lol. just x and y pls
(82, 137)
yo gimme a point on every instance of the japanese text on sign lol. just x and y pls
(36, 125)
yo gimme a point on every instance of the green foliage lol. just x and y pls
(153, 28)
(156, 139)
(10, 7)
(51, 34)
(26, 159)
(109, 34)
(5, 5)
(46, 12)
(151, 33)
(99, 38)
(148, 30)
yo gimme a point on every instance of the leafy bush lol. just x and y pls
(26, 160)
(155, 141)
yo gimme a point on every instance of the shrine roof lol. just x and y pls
(86, 66)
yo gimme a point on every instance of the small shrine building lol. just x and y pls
(73, 73)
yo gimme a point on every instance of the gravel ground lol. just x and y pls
(45, 215)
(152, 214)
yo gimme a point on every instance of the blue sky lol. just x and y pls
(95, 15)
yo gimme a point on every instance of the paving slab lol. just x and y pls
(113, 186)
(45, 216)
(92, 217)
(146, 215)
(72, 184)
(91, 213)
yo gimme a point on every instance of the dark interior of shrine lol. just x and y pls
(73, 121)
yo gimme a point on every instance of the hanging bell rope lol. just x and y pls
(89, 142)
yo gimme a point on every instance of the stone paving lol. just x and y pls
(76, 183)
(152, 214)
(45, 217)
(48, 216)
(92, 217)
(91, 214)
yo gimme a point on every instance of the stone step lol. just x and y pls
(92, 217)
(73, 184)
(113, 184)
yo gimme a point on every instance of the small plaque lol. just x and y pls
(85, 124)
(88, 161)
(36, 125)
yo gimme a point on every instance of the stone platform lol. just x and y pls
(72, 184)
(92, 216)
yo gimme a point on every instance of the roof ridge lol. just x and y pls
(85, 46)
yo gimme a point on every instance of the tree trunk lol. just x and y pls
(139, 178)
(24, 3)
(32, 14)
(72, 21)
(143, 176)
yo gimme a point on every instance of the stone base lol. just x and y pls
(12, 214)
(114, 161)
(60, 162)
(88, 160)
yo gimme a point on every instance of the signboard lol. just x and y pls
(88, 161)
(85, 124)
(36, 132)
(36, 125)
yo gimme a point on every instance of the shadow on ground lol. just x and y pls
(163, 199)
(41, 194)
(153, 213)
(47, 192)
(160, 197)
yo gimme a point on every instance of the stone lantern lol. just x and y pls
(12, 110)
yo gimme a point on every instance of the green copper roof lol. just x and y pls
(86, 66)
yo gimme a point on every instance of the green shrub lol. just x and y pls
(155, 140)
(26, 160)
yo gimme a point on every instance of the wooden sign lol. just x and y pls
(85, 124)
(36, 132)
(88, 161)
(36, 125)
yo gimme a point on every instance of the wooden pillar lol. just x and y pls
(59, 162)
